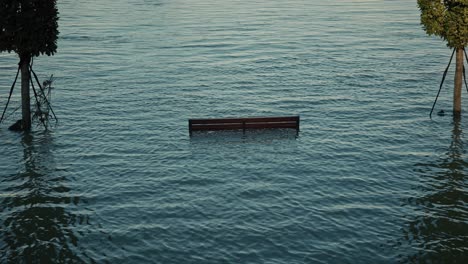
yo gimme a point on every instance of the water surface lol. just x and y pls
(369, 179)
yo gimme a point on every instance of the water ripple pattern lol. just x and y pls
(369, 179)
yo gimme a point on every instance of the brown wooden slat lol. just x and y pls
(241, 126)
(269, 125)
(217, 127)
(240, 120)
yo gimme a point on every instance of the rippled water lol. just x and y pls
(369, 179)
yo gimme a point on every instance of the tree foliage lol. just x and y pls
(28, 27)
(447, 19)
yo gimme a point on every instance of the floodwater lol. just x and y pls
(369, 179)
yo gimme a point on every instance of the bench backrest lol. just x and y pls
(244, 123)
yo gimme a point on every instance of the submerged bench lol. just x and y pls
(243, 123)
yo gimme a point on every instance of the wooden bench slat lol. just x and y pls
(242, 126)
(241, 120)
(218, 127)
(270, 125)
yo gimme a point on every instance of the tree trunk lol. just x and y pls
(458, 83)
(25, 97)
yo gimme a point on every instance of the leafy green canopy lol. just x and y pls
(447, 19)
(28, 27)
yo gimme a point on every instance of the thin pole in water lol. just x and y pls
(441, 83)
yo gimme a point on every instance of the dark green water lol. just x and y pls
(369, 179)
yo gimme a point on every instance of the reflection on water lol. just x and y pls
(36, 224)
(439, 232)
(249, 136)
